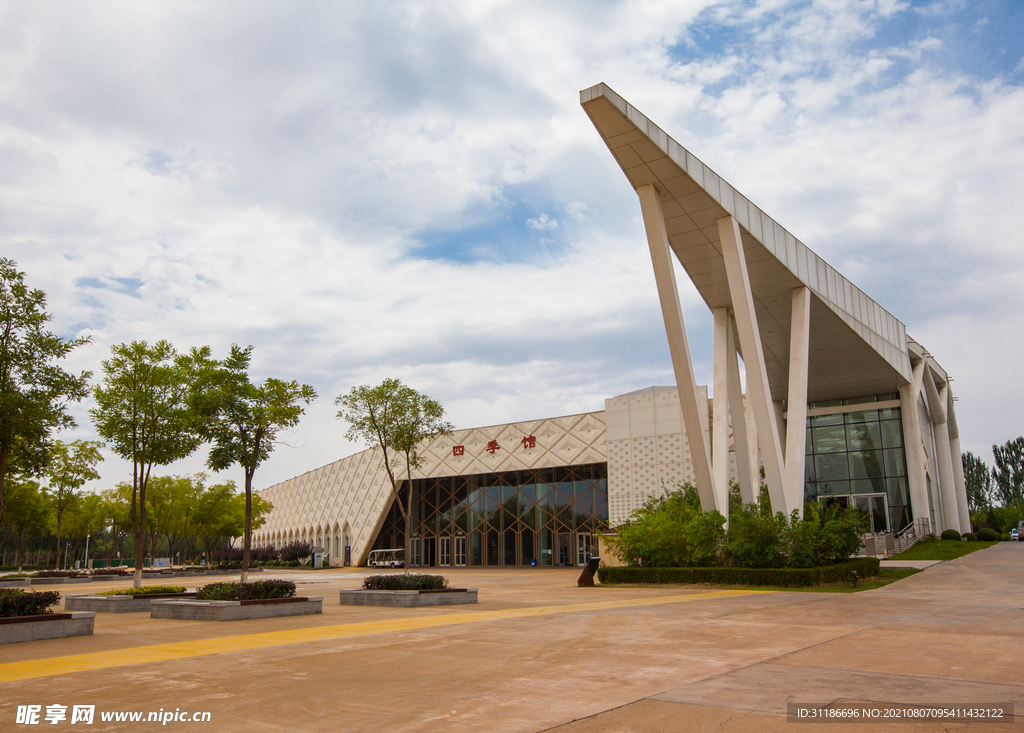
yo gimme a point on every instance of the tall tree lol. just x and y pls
(395, 418)
(1009, 471)
(143, 411)
(116, 509)
(70, 466)
(26, 514)
(34, 389)
(242, 420)
(979, 482)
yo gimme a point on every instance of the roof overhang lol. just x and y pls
(856, 346)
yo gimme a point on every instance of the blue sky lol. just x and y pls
(412, 190)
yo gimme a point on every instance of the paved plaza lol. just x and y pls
(538, 653)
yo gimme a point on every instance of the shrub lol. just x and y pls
(1006, 537)
(671, 531)
(16, 602)
(149, 590)
(57, 574)
(985, 534)
(969, 536)
(779, 577)
(412, 581)
(294, 551)
(257, 590)
(952, 534)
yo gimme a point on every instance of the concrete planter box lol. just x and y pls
(45, 626)
(108, 578)
(236, 610)
(14, 583)
(60, 581)
(120, 604)
(408, 598)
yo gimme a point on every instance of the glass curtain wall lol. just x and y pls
(508, 518)
(854, 455)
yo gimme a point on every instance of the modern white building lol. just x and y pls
(839, 403)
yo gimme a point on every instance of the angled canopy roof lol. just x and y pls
(856, 346)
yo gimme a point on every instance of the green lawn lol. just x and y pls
(941, 550)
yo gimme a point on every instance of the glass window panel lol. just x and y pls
(545, 547)
(862, 417)
(831, 467)
(492, 497)
(867, 486)
(897, 490)
(526, 491)
(475, 549)
(508, 492)
(545, 496)
(866, 464)
(585, 502)
(890, 413)
(510, 547)
(526, 547)
(831, 439)
(899, 517)
(809, 442)
(863, 436)
(892, 434)
(833, 488)
(493, 547)
(823, 420)
(601, 501)
(809, 469)
(894, 462)
(879, 517)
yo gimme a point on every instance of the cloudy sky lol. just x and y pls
(411, 189)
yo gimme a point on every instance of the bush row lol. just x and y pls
(412, 581)
(16, 602)
(256, 590)
(777, 577)
(149, 590)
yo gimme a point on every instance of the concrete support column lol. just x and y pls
(679, 348)
(758, 391)
(909, 396)
(937, 399)
(958, 464)
(720, 419)
(746, 467)
(796, 427)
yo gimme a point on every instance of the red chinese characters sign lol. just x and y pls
(493, 446)
(458, 450)
(530, 441)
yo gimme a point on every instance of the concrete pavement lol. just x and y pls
(538, 653)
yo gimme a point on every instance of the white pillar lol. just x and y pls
(758, 390)
(796, 427)
(958, 465)
(947, 481)
(679, 348)
(909, 396)
(746, 468)
(752, 442)
(720, 419)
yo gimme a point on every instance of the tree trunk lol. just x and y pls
(248, 525)
(408, 516)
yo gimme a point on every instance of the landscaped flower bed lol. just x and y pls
(407, 590)
(238, 601)
(126, 600)
(28, 616)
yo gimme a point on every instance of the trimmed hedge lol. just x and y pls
(412, 581)
(110, 571)
(969, 536)
(987, 534)
(256, 590)
(16, 602)
(780, 577)
(950, 534)
(149, 590)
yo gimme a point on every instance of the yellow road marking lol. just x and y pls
(15, 671)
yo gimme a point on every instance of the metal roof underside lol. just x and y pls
(856, 346)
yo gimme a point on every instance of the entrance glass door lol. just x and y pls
(460, 552)
(444, 554)
(874, 506)
(415, 560)
(582, 548)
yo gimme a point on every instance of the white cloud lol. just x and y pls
(182, 174)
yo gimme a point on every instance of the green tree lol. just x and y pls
(979, 482)
(116, 509)
(143, 411)
(34, 389)
(395, 418)
(1009, 471)
(220, 515)
(26, 514)
(70, 466)
(671, 531)
(242, 421)
(84, 519)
